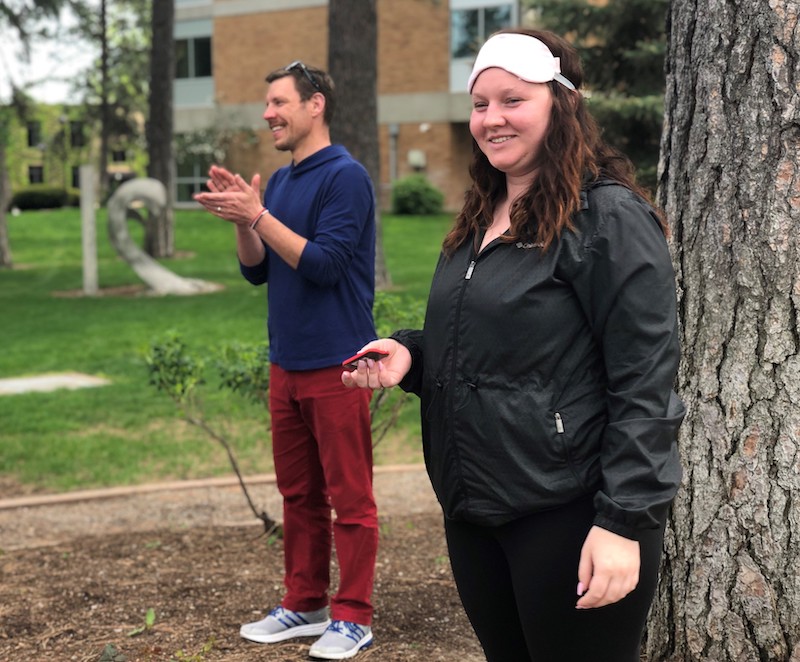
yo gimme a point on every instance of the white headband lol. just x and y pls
(519, 54)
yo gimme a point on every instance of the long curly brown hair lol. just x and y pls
(572, 154)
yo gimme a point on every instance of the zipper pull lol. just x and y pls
(470, 269)
(559, 424)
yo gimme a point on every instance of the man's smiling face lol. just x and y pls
(287, 115)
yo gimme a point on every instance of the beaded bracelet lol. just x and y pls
(258, 218)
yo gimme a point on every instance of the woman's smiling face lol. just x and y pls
(509, 120)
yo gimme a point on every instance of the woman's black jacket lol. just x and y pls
(544, 377)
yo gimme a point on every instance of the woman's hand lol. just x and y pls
(608, 569)
(387, 372)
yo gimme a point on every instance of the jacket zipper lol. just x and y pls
(457, 321)
(559, 423)
(470, 269)
(454, 361)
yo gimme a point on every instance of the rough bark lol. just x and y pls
(730, 183)
(160, 238)
(105, 119)
(353, 65)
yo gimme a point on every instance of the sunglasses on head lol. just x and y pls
(297, 64)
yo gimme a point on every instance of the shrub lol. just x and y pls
(416, 196)
(73, 198)
(39, 196)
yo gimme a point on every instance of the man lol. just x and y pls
(313, 242)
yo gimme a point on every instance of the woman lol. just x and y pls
(545, 371)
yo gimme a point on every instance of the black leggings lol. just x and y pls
(518, 586)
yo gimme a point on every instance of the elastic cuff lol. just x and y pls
(617, 527)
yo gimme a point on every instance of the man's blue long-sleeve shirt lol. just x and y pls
(320, 313)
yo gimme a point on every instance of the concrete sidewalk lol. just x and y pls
(50, 382)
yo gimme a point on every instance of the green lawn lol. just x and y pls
(127, 432)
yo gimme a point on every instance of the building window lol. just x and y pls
(469, 28)
(193, 57)
(76, 137)
(472, 22)
(76, 176)
(191, 175)
(118, 156)
(35, 174)
(34, 134)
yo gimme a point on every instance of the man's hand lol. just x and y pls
(230, 197)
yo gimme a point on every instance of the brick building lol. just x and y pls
(49, 146)
(425, 51)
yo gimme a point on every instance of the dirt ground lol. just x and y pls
(78, 578)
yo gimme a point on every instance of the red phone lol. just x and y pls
(375, 354)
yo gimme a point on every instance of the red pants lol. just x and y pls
(322, 446)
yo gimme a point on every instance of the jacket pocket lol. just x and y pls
(578, 446)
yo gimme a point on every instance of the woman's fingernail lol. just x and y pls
(581, 588)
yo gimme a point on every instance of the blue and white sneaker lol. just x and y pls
(282, 624)
(341, 640)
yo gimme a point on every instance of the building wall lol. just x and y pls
(55, 153)
(251, 39)
(413, 81)
(247, 47)
(447, 150)
(413, 46)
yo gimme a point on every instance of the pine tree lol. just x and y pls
(622, 45)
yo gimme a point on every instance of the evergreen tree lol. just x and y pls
(622, 45)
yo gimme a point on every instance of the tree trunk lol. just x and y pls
(105, 120)
(6, 261)
(161, 238)
(353, 65)
(730, 183)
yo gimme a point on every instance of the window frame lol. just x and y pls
(461, 65)
(34, 129)
(196, 181)
(192, 65)
(39, 177)
(482, 33)
(77, 128)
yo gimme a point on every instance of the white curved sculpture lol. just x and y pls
(159, 279)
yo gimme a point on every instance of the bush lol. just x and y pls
(73, 198)
(416, 196)
(39, 196)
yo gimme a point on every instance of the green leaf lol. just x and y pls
(111, 654)
(149, 621)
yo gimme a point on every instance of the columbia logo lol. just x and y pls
(528, 245)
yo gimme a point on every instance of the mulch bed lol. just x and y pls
(86, 600)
